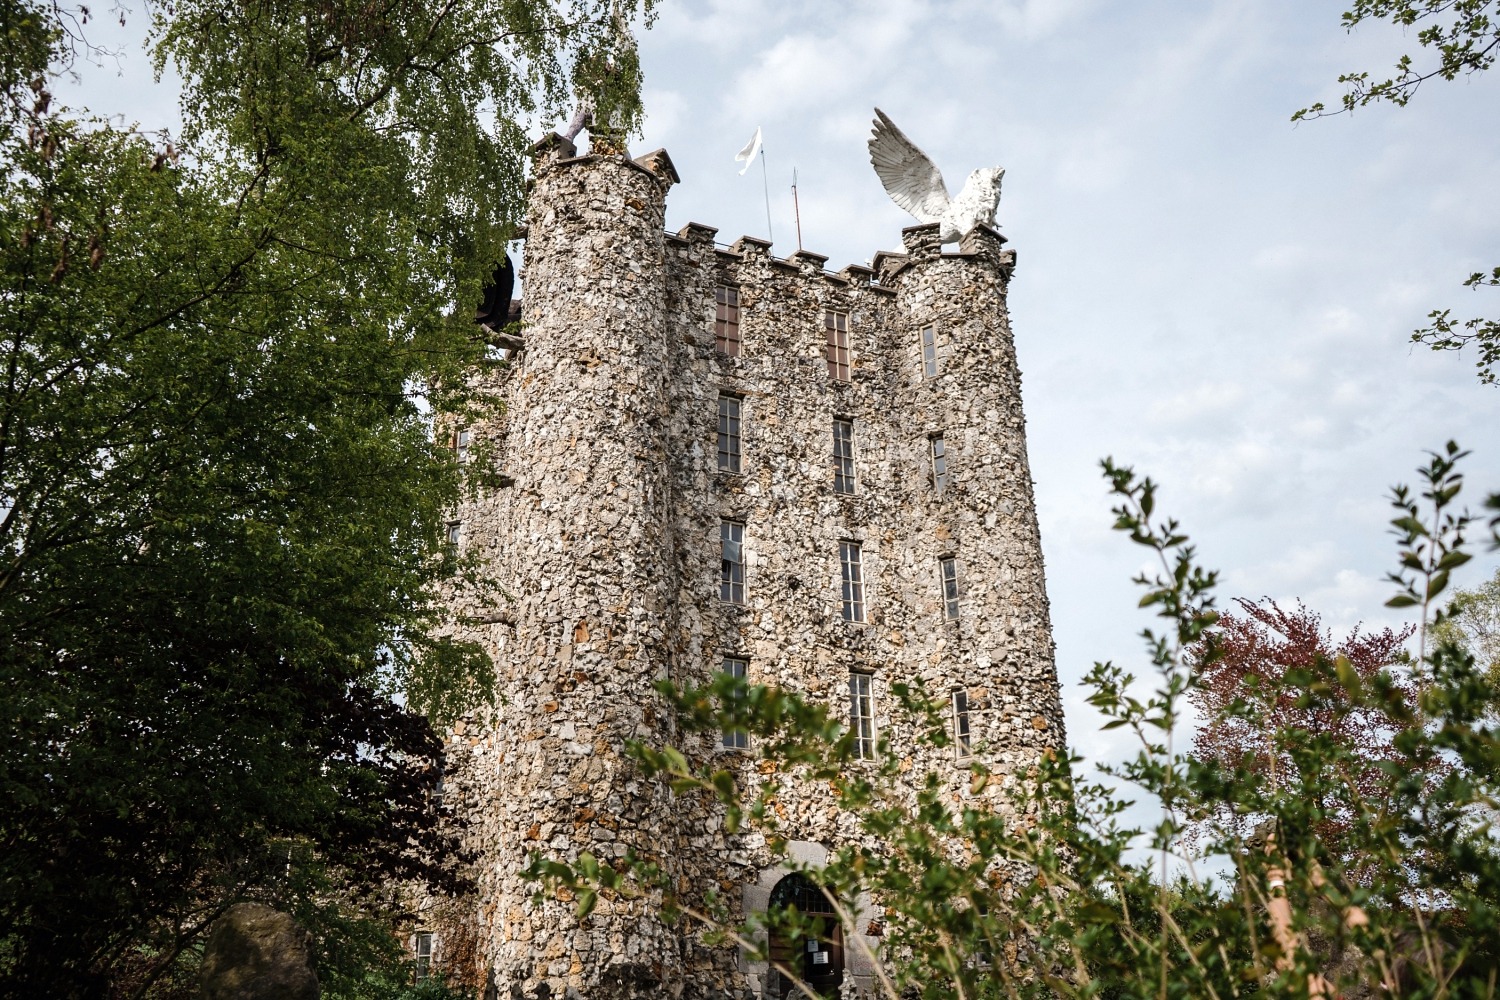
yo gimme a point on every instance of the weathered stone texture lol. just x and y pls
(257, 953)
(605, 553)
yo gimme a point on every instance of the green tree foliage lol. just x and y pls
(1457, 38)
(1039, 890)
(220, 506)
(1475, 625)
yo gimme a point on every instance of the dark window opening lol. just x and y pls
(836, 325)
(929, 352)
(843, 456)
(422, 946)
(961, 738)
(852, 570)
(862, 715)
(729, 434)
(727, 320)
(949, 568)
(816, 955)
(736, 739)
(732, 567)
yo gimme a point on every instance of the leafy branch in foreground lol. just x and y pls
(1478, 332)
(1026, 885)
(1460, 38)
(1463, 36)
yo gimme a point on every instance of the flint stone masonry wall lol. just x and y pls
(604, 554)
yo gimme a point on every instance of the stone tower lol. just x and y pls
(713, 459)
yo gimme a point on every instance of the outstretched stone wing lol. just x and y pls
(910, 178)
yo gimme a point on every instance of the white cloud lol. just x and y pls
(665, 111)
(1035, 19)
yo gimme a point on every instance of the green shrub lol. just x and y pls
(1044, 895)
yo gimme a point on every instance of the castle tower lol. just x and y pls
(719, 460)
(574, 542)
(980, 527)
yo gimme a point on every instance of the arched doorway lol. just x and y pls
(816, 957)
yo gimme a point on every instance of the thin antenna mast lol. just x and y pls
(796, 210)
(767, 185)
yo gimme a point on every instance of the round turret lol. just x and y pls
(583, 535)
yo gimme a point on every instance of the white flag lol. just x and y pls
(748, 153)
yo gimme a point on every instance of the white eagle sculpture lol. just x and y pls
(914, 182)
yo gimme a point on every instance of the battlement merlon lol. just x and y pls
(553, 150)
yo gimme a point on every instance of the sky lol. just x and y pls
(1207, 292)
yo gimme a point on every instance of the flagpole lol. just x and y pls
(796, 210)
(765, 183)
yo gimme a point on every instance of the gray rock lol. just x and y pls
(257, 953)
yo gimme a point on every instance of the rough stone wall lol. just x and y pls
(605, 552)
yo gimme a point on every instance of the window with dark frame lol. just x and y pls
(939, 462)
(862, 715)
(732, 568)
(727, 320)
(422, 947)
(850, 565)
(729, 433)
(836, 325)
(962, 742)
(736, 739)
(461, 440)
(843, 456)
(455, 533)
(949, 570)
(929, 352)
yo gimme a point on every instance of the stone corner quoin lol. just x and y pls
(703, 457)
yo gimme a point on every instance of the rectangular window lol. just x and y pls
(422, 946)
(850, 563)
(836, 324)
(732, 569)
(862, 715)
(461, 440)
(950, 587)
(727, 320)
(929, 352)
(729, 433)
(736, 739)
(961, 739)
(843, 456)
(939, 463)
(455, 533)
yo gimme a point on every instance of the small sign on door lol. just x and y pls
(820, 958)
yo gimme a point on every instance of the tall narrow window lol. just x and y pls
(843, 456)
(962, 742)
(455, 533)
(862, 715)
(732, 569)
(836, 324)
(729, 434)
(461, 440)
(939, 463)
(850, 564)
(929, 352)
(422, 946)
(727, 320)
(736, 739)
(949, 569)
